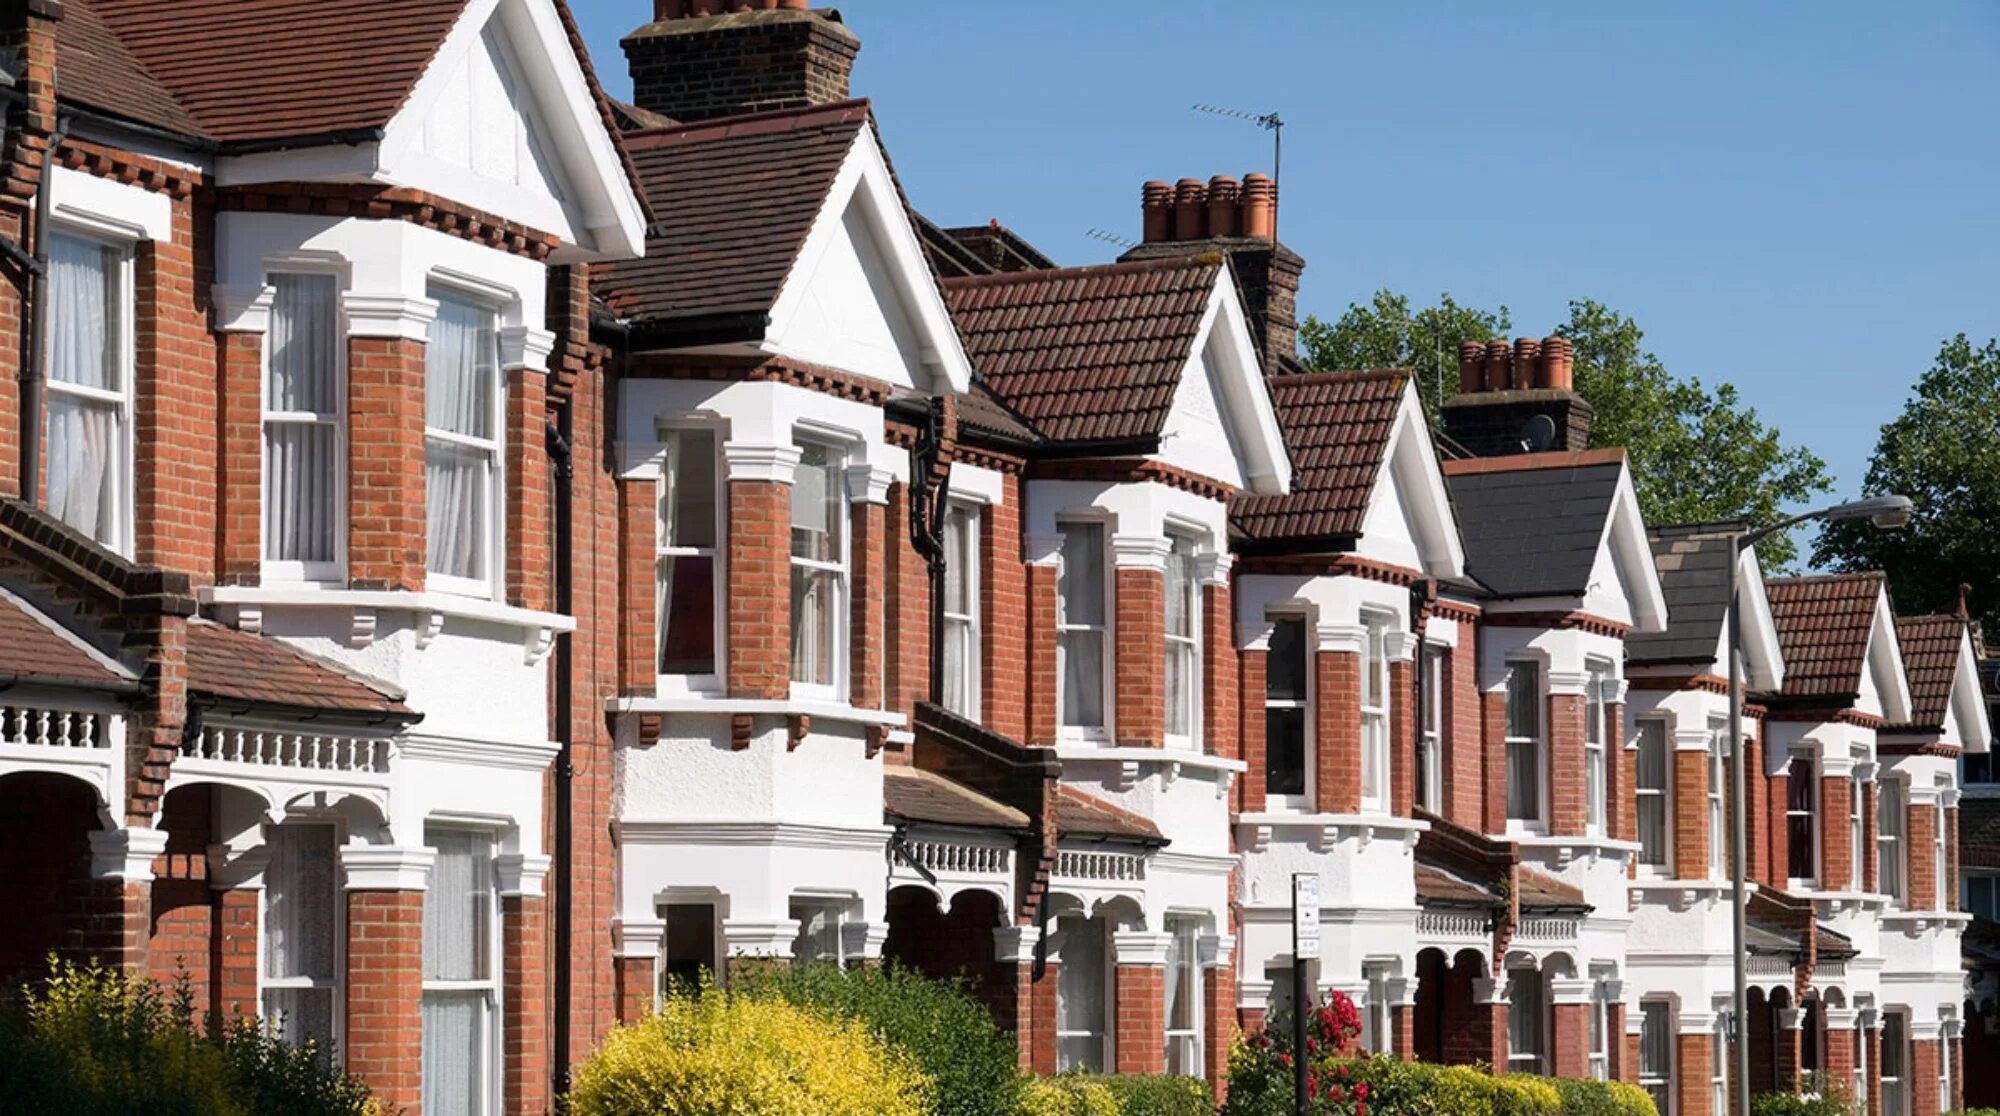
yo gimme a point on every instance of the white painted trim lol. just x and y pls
(111, 208)
(387, 867)
(749, 462)
(740, 831)
(390, 314)
(525, 347)
(125, 855)
(763, 707)
(521, 874)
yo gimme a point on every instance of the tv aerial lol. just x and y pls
(1270, 122)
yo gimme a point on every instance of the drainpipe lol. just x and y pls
(562, 469)
(34, 370)
(928, 507)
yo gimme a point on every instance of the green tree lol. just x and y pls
(1943, 452)
(1698, 453)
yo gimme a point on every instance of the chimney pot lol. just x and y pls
(1499, 365)
(669, 9)
(794, 5)
(1558, 363)
(709, 7)
(1222, 204)
(1528, 363)
(1471, 367)
(1260, 206)
(1190, 208)
(1156, 201)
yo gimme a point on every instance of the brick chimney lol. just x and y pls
(1239, 220)
(700, 59)
(1502, 388)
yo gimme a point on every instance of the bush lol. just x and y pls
(1603, 1098)
(90, 1040)
(1818, 1095)
(711, 1053)
(953, 1038)
(1068, 1095)
(1139, 1094)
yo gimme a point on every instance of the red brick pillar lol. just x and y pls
(387, 522)
(1690, 804)
(1486, 1022)
(1336, 739)
(1621, 1048)
(1693, 1064)
(1872, 1038)
(238, 883)
(1787, 1057)
(1250, 788)
(385, 970)
(530, 543)
(1218, 1009)
(638, 578)
(1922, 857)
(1493, 710)
(524, 983)
(1621, 769)
(759, 635)
(1042, 1040)
(1139, 996)
(1014, 1008)
(1003, 603)
(634, 962)
(1838, 1045)
(1836, 841)
(868, 489)
(1044, 571)
(1569, 1040)
(1139, 670)
(1567, 810)
(1402, 650)
(1403, 1017)
(1777, 789)
(1954, 1048)
(174, 419)
(1951, 902)
(1465, 753)
(240, 456)
(1220, 677)
(1925, 1076)
(115, 922)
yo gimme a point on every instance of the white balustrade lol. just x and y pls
(953, 857)
(1546, 929)
(52, 728)
(1102, 867)
(309, 751)
(1451, 924)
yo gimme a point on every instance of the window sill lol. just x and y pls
(1569, 848)
(244, 607)
(1135, 763)
(1924, 920)
(768, 707)
(1324, 831)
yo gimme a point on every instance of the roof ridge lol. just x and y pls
(1529, 462)
(1087, 271)
(1815, 579)
(1338, 375)
(725, 126)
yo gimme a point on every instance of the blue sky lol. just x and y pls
(1803, 199)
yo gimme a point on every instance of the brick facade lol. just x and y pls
(386, 519)
(385, 956)
(759, 632)
(1139, 690)
(1336, 743)
(1141, 996)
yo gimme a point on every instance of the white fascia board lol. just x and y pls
(1968, 700)
(1414, 458)
(1246, 400)
(1625, 534)
(1884, 660)
(1763, 661)
(864, 178)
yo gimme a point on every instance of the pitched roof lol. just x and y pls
(252, 70)
(239, 666)
(732, 202)
(1823, 625)
(33, 648)
(1978, 832)
(1436, 884)
(1086, 354)
(1337, 426)
(1693, 563)
(913, 794)
(1532, 522)
(1931, 646)
(1543, 891)
(1083, 815)
(98, 72)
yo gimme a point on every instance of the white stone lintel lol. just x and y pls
(387, 867)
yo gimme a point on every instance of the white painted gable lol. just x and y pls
(861, 297)
(486, 120)
(1966, 723)
(1409, 521)
(1222, 425)
(1763, 660)
(1885, 687)
(1624, 583)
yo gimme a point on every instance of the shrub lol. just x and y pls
(1142, 1094)
(953, 1038)
(1603, 1098)
(1818, 1095)
(711, 1053)
(1068, 1095)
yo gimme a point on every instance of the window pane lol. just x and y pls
(690, 499)
(301, 1015)
(1284, 751)
(816, 492)
(1181, 589)
(304, 345)
(1183, 955)
(454, 1052)
(1524, 783)
(1083, 678)
(301, 897)
(814, 609)
(1080, 999)
(301, 503)
(687, 615)
(86, 459)
(1285, 664)
(86, 312)
(1525, 1012)
(957, 660)
(958, 559)
(689, 941)
(1181, 682)
(1799, 828)
(1081, 584)
(819, 931)
(1524, 700)
(458, 906)
(1651, 772)
(461, 369)
(456, 480)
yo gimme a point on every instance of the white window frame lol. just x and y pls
(1107, 642)
(1856, 838)
(1185, 1045)
(1718, 1070)
(1717, 792)
(1537, 744)
(664, 910)
(1182, 545)
(670, 432)
(1986, 905)
(1596, 742)
(1940, 849)
(1896, 1088)
(267, 983)
(1430, 728)
(840, 454)
(1891, 840)
(332, 572)
(841, 911)
(1661, 1078)
(493, 986)
(1106, 1034)
(1811, 814)
(1860, 1068)
(125, 476)
(1374, 678)
(1600, 1033)
(1378, 1028)
(489, 586)
(1535, 1061)
(1663, 794)
(964, 519)
(1302, 803)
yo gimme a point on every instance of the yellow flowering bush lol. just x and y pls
(1068, 1096)
(712, 1054)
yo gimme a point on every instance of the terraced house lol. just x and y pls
(473, 551)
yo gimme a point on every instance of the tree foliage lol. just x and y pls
(1943, 452)
(1698, 452)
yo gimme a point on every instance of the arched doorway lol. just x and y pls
(45, 824)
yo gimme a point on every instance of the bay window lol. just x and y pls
(1080, 628)
(1656, 1053)
(961, 610)
(1524, 742)
(1801, 823)
(1527, 1020)
(822, 930)
(304, 432)
(1651, 787)
(1718, 785)
(302, 938)
(819, 566)
(464, 400)
(1183, 624)
(1081, 1003)
(689, 527)
(1375, 714)
(1184, 993)
(461, 995)
(90, 359)
(1430, 731)
(1596, 734)
(1889, 821)
(1285, 706)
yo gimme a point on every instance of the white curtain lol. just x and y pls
(454, 1052)
(85, 451)
(301, 913)
(459, 383)
(1524, 1020)
(301, 432)
(458, 911)
(1524, 727)
(1652, 777)
(1080, 995)
(86, 436)
(1081, 589)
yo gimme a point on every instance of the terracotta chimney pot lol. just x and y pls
(1190, 209)
(1558, 363)
(1260, 206)
(1527, 363)
(709, 7)
(1156, 200)
(669, 9)
(793, 5)
(1499, 365)
(1222, 205)
(1471, 367)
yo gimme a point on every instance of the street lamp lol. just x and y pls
(1886, 513)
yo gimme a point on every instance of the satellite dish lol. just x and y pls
(1539, 434)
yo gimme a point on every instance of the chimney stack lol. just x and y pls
(702, 59)
(1503, 387)
(1238, 219)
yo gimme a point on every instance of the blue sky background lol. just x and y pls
(1803, 199)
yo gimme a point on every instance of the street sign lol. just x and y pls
(1305, 915)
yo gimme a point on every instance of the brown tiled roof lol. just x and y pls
(980, 411)
(1978, 832)
(916, 795)
(1931, 646)
(1337, 427)
(1082, 815)
(238, 666)
(97, 71)
(1538, 889)
(269, 69)
(32, 649)
(1823, 624)
(1436, 885)
(1086, 354)
(732, 202)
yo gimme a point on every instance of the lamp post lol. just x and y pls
(1886, 513)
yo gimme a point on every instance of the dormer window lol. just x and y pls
(1183, 666)
(90, 388)
(463, 407)
(819, 567)
(1080, 628)
(690, 523)
(1524, 742)
(304, 429)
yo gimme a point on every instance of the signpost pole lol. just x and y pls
(1305, 947)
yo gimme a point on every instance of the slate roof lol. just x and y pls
(1693, 563)
(1337, 426)
(226, 663)
(1086, 354)
(1532, 522)
(732, 202)
(915, 795)
(1083, 815)
(1931, 646)
(1978, 832)
(1823, 624)
(34, 649)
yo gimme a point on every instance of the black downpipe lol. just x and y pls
(562, 469)
(34, 370)
(928, 505)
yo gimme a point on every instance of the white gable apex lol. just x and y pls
(1409, 521)
(861, 298)
(1624, 583)
(1885, 686)
(503, 120)
(1222, 425)
(1966, 713)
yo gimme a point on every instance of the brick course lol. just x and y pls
(760, 595)
(1139, 693)
(384, 1035)
(387, 527)
(1140, 994)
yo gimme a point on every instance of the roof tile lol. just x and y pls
(1931, 647)
(1823, 625)
(1337, 426)
(237, 665)
(32, 647)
